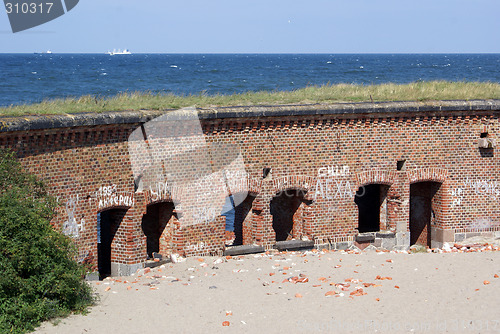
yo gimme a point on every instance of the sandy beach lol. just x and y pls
(302, 292)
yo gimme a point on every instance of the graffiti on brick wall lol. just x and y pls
(331, 183)
(334, 171)
(108, 196)
(160, 191)
(333, 189)
(457, 195)
(490, 189)
(484, 223)
(195, 247)
(205, 214)
(71, 226)
(484, 187)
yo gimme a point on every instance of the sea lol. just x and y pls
(31, 78)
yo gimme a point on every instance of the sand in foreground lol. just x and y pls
(300, 293)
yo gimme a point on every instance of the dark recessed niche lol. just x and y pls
(401, 165)
(265, 172)
(483, 135)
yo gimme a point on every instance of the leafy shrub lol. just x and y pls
(39, 278)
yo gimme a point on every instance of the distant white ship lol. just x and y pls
(47, 52)
(119, 52)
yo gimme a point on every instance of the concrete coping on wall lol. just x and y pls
(368, 109)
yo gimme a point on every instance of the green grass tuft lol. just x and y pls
(416, 91)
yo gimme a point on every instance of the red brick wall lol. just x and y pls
(329, 156)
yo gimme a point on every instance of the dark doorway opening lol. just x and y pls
(153, 224)
(421, 212)
(369, 199)
(284, 209)
(235, 214)
(107, 224)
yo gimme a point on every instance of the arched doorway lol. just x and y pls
(154, 222)
(370, 200)
(284, 208)
(108, 222)
(422, 212)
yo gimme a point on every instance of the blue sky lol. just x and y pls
(270, 26)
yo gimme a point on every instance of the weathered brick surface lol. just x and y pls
(326, 155)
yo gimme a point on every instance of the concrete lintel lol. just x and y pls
(366, 109)
(293, 245)
(244, 249)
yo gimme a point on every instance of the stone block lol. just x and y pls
(459, 237)
(497, 235)
(378, 242)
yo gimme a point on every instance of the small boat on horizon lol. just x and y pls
(119, 52)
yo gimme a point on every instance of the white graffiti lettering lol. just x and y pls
(333, 171)
(333, 189)
(108, 196)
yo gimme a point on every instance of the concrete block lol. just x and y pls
(436, 244)
(401, 227)
(459, 237)
(120, 269)
(324, 246)
(401, 247)
(342, 245)
(472, 235)
(385, 234)
(244, 249)
(389, 243)
(487, 235)
(365, 237)
(441, 235)
(370, 248)
(378, 242)
(403, 239)
(353, 247)
(92, 277)
(293, 245)
(497, 235)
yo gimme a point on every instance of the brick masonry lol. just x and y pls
(319, 155)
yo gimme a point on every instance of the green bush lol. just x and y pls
(39, 278)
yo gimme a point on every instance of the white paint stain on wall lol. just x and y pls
(72, 227)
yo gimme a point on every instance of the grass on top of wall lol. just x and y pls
(417, 91)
